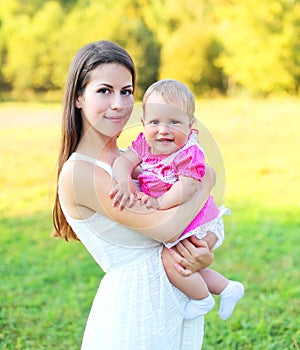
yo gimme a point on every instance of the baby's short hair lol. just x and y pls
(175, 93)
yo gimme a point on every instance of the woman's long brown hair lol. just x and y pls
(86, 60)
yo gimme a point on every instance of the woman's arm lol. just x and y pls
(85, 189)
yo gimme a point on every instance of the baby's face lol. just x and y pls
(166, 127)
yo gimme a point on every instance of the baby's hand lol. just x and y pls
(123, 195)
(146, 200)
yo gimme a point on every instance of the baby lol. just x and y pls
(170, 163)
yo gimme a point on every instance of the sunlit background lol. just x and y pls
(242, 61)
(215, 46)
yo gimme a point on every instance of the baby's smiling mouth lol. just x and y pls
(165, 139)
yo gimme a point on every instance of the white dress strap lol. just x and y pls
(103, 165)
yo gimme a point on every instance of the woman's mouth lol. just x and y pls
(116, 118)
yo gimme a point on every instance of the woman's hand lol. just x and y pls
(191, 255)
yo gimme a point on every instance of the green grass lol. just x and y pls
(47, 285)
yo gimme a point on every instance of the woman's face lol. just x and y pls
(107, 100)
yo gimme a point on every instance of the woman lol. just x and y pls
(135, 307)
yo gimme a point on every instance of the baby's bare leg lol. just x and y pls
(215, 282)
(193, 286)
(230, 291)
(201, 301)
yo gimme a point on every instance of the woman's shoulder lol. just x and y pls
(81, 185)
(79, 171)
(67, 170)
(82, 162)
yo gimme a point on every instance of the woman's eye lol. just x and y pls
(127, 92)
(103, 91)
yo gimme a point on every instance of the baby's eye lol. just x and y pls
(155, 122)
(175, 122)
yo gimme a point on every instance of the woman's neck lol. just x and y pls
(99, 146)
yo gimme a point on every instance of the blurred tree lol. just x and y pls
(140, 42)
(189, 46)
(211, 45)
(291, 32)
(260, 46)
(86, 22)
(8, 8)
(31, 58)
(119, 21)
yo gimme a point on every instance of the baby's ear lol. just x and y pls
(192, 121)
(142, 121)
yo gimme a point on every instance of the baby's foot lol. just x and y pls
(233, 292)
(195, 308)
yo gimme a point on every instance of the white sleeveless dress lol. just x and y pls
(136, 307)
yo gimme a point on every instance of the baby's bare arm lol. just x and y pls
(123, 193)
(179, 193)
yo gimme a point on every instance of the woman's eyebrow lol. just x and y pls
(110, 86)
(127, 86)
(104, 84)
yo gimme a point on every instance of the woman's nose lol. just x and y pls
(117, 102)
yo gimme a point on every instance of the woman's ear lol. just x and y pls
(78, 102)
